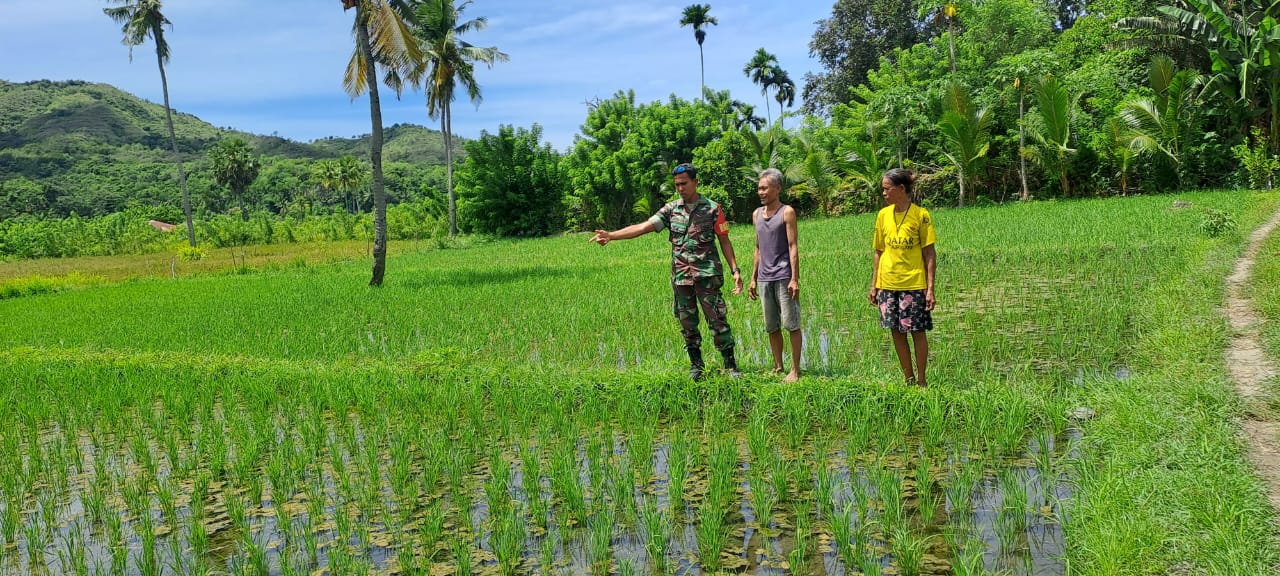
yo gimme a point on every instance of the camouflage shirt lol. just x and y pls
(693, 232)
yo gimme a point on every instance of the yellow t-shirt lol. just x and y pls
(899, 238)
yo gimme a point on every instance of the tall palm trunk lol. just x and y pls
(375, 154)
(951, 41)
(173, 142)
(446, 126)
(1022, 144)
(703, 63)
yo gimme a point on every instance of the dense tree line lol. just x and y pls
(987, 101)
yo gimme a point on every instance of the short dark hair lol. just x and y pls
(685, 168)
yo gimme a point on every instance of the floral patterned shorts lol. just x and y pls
(903, 310)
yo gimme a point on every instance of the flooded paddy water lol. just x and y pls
(641, 496)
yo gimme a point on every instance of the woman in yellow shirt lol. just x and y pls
(902, 272)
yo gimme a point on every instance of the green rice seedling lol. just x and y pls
(801, 476)
(679, 458)
(565, 483)
(824, 488)
(640, 448)
(547, 554)
(168, 508)
(49, 507)
(799, 556)
(889, 489)
(310, 541)
(887, 440)
(796, 418)
(926, 492)
(712, 535)
(869, 562)
(723, 465)
(148, 563)
(197, 538)
(908, 549)
(600, 543)
(1007, 534)
(37, 537)
(531, 470)
(1015, 418)
(657, 532)
(498, 488)
(842, 533)
(595, 452)
(539, 510)
(859, 436)
(431, 530)
(508, 542)
(960, 489)
(1014, 501)
(967, 560)
(758, 432)
(860, 499)
(935, 420)
(177, 561)
(982, 415)
(1045, 463)
(763, 498)
(236, 511)
(627, 567)
(113, 528)
(862, 539)
(780, 475)
(95, 505)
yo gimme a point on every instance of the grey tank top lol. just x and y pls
(771, 237)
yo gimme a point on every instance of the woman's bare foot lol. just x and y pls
(777, 370)
(792, 376)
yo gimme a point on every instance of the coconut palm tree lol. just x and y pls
(699, 16)
(236, 167)
(383, 37)
(1056, 105)
(449, 62)
(139, 20)
(760, 69)
(784, 91)
(966, 135)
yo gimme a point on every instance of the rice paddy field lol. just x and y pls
(524, 408)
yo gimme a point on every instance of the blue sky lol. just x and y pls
(275, 66)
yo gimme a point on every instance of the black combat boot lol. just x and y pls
(695, 364)
(731, 364)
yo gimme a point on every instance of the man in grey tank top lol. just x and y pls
(775, 271)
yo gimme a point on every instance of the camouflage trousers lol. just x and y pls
(705, 292)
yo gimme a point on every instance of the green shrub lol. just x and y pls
(191, 253)
(1214, 222)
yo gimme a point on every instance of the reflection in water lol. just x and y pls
(946, 503)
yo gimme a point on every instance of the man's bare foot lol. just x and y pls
(777, 370)
(791, 377)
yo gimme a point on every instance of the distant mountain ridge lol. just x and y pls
(46, 111)
(92, 148)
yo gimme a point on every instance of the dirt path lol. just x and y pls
(1250, 368)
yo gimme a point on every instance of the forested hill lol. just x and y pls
(93, 148)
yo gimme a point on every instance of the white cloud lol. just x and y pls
(276, 66)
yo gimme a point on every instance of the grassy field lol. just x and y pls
(522, 407)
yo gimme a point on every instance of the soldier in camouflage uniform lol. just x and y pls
(695, 223)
